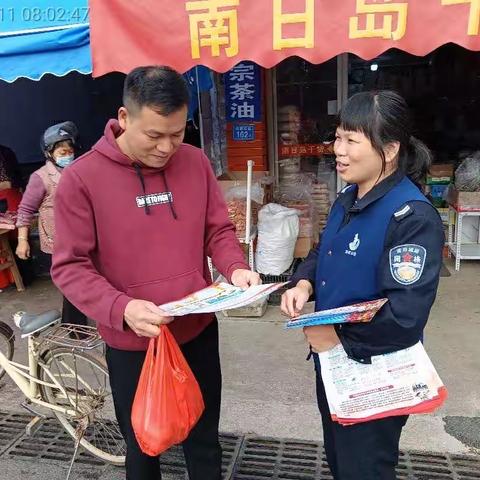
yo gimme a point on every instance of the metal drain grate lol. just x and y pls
(244, 458)
(276, 459)
(50, 443)
(174, 462)
(264, 458)
(433, 466)
(12, 427)
(466, 468)
(424, 466)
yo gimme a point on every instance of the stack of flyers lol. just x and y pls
(404, 382)
(359, 312)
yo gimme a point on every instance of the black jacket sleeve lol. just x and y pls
(400, 323)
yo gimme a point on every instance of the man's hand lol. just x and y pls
(23, 249)
(245, 278)
(321, 337)
(294, 299)
(144, 318)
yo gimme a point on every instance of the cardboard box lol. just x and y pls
(441, 170)
(303, 247)
(444, 213)
(437, 192)
(441, 173)
(438, 180)
(464, 200)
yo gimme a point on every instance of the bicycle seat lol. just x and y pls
(30, 324)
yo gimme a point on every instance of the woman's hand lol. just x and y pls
(23, 249)
(294, 299)
(321, 337)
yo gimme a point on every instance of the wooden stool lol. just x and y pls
(10, 257)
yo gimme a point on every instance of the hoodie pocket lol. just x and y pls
(168, 289)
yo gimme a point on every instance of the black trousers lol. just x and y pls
(203, 454)
(71, 314)
(366, 451)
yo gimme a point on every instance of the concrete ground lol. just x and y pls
(269, 387)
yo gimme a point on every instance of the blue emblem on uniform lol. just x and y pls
(407, 263)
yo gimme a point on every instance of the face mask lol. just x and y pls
(64, 161)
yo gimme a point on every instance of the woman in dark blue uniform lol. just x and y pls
(383, 239)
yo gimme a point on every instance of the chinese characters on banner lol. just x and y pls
(305, 18)
(213, 28)
(214, 23)
(474, 14)
(243, 94)
(220, 33)
(393, 16)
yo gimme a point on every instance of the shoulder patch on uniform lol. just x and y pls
(405, 211)
(407, 263)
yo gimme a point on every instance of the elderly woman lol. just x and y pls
(58, 145)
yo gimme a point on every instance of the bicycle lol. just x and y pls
(66, 377)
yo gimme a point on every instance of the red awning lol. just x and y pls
(220, 33)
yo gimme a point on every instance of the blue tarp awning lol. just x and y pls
(38, 37)
(55, 38)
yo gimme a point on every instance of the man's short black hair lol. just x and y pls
(160, 88)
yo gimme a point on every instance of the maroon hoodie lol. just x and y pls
(118, 238)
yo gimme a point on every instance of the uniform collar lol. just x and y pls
(348, 200)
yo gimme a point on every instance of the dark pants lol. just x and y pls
(203, 454)
(71, 314)
(366, 451)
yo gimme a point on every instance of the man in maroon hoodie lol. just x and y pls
(136, 218)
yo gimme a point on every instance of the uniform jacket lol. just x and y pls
(387, 244)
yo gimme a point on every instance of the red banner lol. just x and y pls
(221, 33)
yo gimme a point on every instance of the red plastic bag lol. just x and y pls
(168, 401)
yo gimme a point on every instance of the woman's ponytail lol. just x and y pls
(416, 162)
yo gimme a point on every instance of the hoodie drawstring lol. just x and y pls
(170, 203)
(138, 171)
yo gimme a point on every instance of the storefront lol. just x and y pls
(442, 89)
(286, 74)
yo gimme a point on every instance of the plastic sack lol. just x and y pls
(236, 198)
(277, 234)
(467, 175)
(168, 401)
(239, 192)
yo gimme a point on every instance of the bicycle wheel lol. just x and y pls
(86, 390)
(6, 344)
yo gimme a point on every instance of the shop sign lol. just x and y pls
(305, 150)
(243, 133)
(242, 93)
(220, 33)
